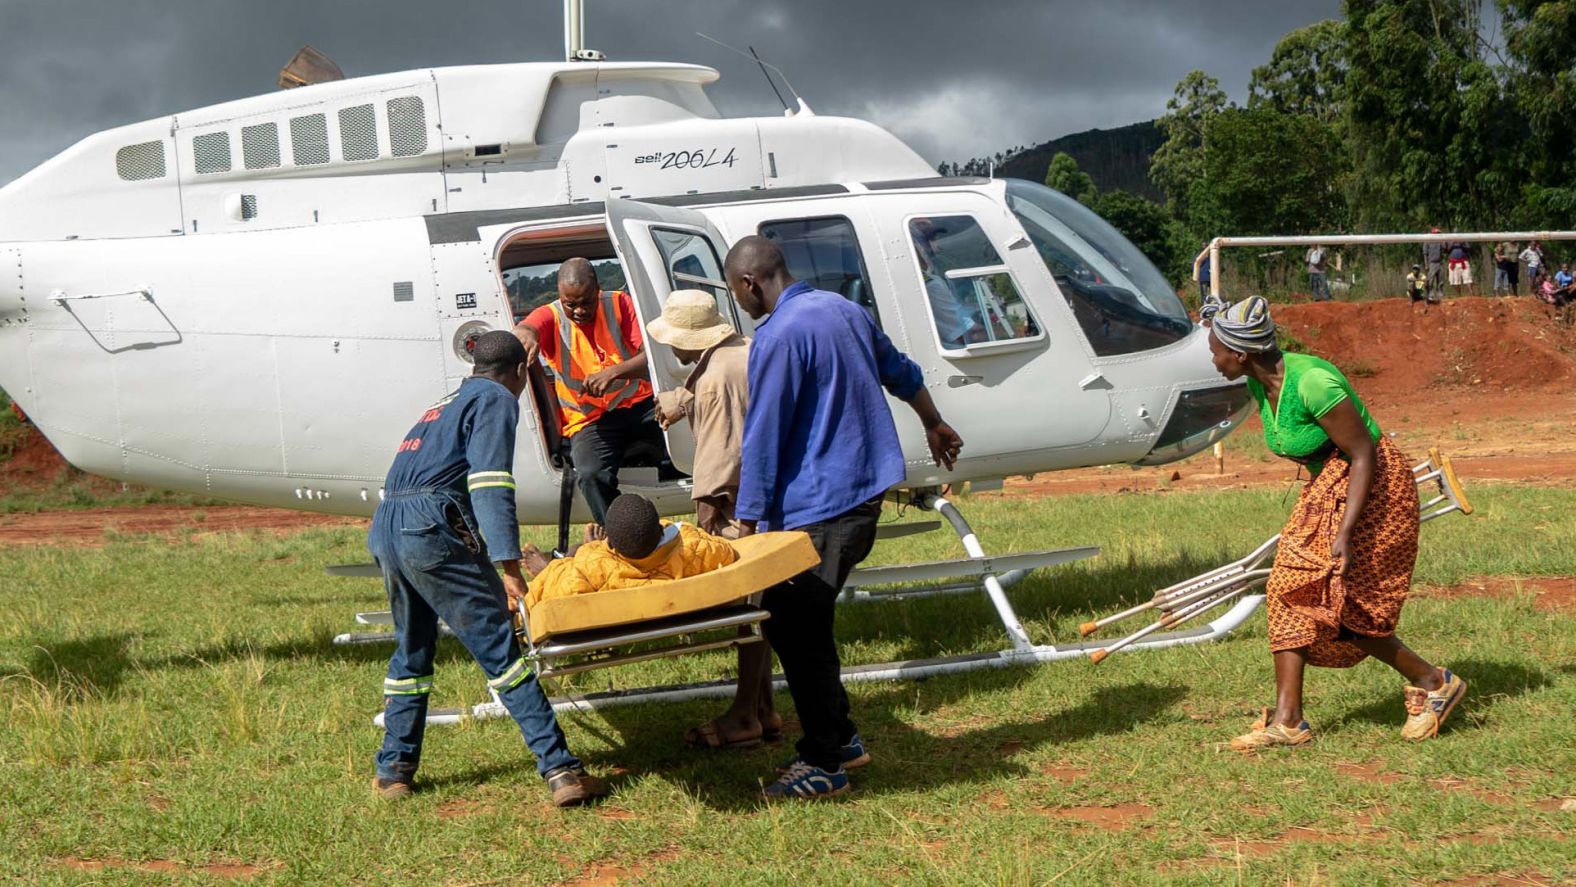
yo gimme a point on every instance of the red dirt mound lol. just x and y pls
(1393, 347)
(33, 462)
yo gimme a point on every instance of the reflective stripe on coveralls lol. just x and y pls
(483, 479)
(512, 676)
(407, 686)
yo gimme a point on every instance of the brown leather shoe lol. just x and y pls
(391, 789)
(572, 787)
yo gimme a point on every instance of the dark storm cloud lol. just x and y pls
(954, 79)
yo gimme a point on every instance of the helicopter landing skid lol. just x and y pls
(1022, 652)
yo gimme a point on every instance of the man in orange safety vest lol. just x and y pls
(593, 342)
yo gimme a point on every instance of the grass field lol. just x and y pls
(173, 711)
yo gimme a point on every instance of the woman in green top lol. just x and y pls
(1344, 563)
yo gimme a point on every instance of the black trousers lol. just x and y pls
(800, 632)
(627, 436)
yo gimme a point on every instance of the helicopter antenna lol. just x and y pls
(769, 79)
(764, 64)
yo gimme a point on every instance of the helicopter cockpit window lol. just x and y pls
(693, 265)
(825, 254)
(971, 294)
(1122, 302)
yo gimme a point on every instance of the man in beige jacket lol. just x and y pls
(713, 399)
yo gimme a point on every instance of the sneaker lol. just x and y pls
(391, 789)
(1263, 734)
(1426, 710)
(804, 781)
(852, 756)
(573, 786)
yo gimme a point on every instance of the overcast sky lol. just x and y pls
(955, 79)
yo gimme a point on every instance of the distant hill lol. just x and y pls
(1114, 158)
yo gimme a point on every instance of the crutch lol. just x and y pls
(1188, 599)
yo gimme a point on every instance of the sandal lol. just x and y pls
(709, 736)
(772, 732)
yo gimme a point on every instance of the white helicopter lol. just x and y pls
(249, 300)
(252, 300)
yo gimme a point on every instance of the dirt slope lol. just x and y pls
(1395, 351)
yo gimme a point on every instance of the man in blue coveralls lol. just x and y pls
(819, 451)
(450, 490)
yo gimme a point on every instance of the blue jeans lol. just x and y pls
(1321, 287)
(431, 574)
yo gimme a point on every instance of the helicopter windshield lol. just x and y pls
(1121, 300)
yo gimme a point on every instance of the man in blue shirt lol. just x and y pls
(819, 451)
(450, 490)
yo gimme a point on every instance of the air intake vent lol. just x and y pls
(260, 146)
(137, 163)
(248, 207)
(358, 133)
(404, 291)
(309, 139)
(211, 152)
(407, 125)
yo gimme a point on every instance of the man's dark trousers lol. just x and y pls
(600, 449)
(800, 631)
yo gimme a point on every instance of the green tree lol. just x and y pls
(1432, 136)
(1065, 176)
(1306, 74)
(1540, 36)
(1268, 172)
(1178, 165)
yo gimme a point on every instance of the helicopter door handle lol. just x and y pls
(960, 381)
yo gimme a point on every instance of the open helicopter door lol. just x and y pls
(664, 249)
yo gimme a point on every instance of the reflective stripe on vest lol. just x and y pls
(573, 365)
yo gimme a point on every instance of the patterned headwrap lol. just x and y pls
(1244, 326)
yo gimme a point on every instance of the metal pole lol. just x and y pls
(574, 32)
(1213, 250)
(1214, 267)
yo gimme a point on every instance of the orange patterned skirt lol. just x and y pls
(1309, 605)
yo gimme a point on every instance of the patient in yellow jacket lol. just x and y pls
(640, 549)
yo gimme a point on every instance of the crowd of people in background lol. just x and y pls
(1449, 263)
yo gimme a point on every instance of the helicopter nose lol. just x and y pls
(1201, 417)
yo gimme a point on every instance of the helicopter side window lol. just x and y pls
(972, 296)
(824, 253)
(693, 265)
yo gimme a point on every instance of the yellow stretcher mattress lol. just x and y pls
(765, 559)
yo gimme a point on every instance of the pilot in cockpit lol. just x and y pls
(957, 323)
